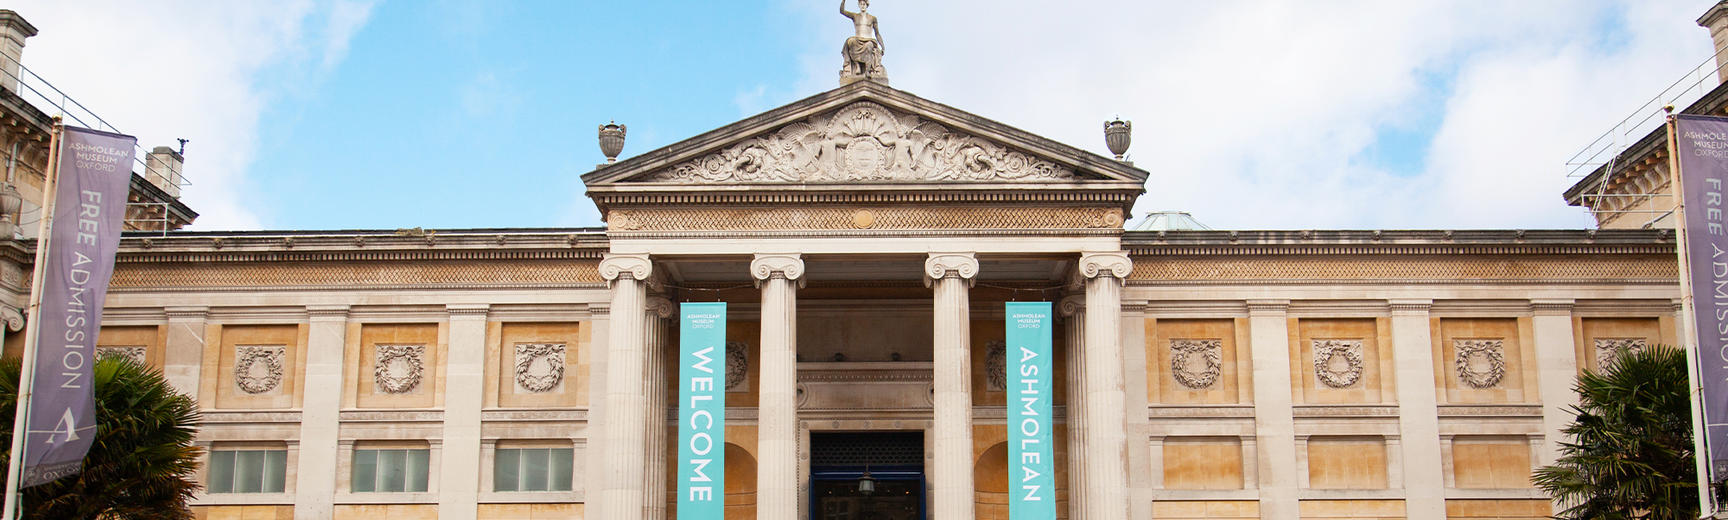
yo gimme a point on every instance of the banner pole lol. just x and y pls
(1700, 451)
(27, 375)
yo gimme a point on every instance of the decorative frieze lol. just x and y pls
(873, 220)
(1196, 363)
(133, 353)
(402, 274)
(996, 366)
(397, 369)
(258, 368)
(1481, 363)
(539, 366)
(737, 366)
(863, 142)
(1609, 349)
(1338, 362)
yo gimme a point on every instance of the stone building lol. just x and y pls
(866, 239)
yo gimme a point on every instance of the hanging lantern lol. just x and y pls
(866, 484)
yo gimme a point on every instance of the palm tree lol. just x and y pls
(1629, 454)
(142, 464)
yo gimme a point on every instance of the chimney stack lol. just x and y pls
(1716, 19)
(162, 168)
(13, 31)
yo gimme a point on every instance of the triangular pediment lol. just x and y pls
(866, 133)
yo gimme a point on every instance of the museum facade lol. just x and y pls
(866, 241)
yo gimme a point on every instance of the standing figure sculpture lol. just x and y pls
(864, 49)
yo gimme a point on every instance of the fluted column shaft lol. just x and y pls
(1106, 456)
(1073, 310)
(950, 276)
(779, 276)
(626, 419)
(654, 333)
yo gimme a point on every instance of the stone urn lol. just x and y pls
(611, 141)
(1117, 135)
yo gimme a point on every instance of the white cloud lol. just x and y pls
(204, 71)
(1264, 114)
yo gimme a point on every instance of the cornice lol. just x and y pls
(1398, 242)
(348, 246)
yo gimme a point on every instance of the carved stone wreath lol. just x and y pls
(134, 354)
(539, 366)
(258, 368)
(1338, 362)
(996, 366)
(397, 369)
(737, 366)
(1481, 363)
(1196, 363)
(1609, 349)
(864, 142)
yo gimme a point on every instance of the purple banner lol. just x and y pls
(89, 206)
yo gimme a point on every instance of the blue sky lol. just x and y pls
(328, 114)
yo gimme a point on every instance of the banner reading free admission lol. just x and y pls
(1031, 460)
(702, 411)
(89, 205)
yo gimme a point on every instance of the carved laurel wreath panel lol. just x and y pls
(133, 353)
(539, 366)
(1196, 363)
(879, 218)
(996, 366)
(1481, 363)
(398, 369)
(258, 368)
(863, 142)
(737, 366)
(1338, 362)
(1609, 349)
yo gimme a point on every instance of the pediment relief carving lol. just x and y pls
(863, 142)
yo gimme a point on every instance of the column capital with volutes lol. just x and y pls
(1071, 305)
(636, 267)
(944, 265)
(660, 307)
(1117, 264)
(783, 265)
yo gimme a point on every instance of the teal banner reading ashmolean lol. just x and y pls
(702, 411)
(1031, 461)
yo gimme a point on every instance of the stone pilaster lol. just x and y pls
(660, 310)
(315, 464)
(950, 275)
(1425, 480)
(1073, 312)
(464, 381)
(594, 466)
(626, 422)
(1274, 418)
(779, 277)
(183, 356)
(1557, 368)
(1106, 435)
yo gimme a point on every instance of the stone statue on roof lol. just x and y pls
(864, 49)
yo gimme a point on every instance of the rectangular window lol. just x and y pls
(390, 471)
(532, 469)
(247, 471)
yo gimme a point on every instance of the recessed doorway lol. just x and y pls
(894, 461)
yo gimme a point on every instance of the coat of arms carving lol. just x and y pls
(996, 366)
(1481, 363)
(1338, 362)
(258, 368)
(1196, 363)
(1609, 349)
(539, 366)
(397, 369)
(737, 366)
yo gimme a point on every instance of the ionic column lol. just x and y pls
(626, 409)
(183, 356)
(779, 277)
(1557, 368)
(1073, 311)
(654, 330)
(950, 275)
(315, 464)
(1106, 430)
(1274, 418)
(1425, 475)
(464, 378)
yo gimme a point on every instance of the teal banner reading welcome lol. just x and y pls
(701, 411)
(1031, 461)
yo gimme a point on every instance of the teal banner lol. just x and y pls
(1031, 459)
(702, 411)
